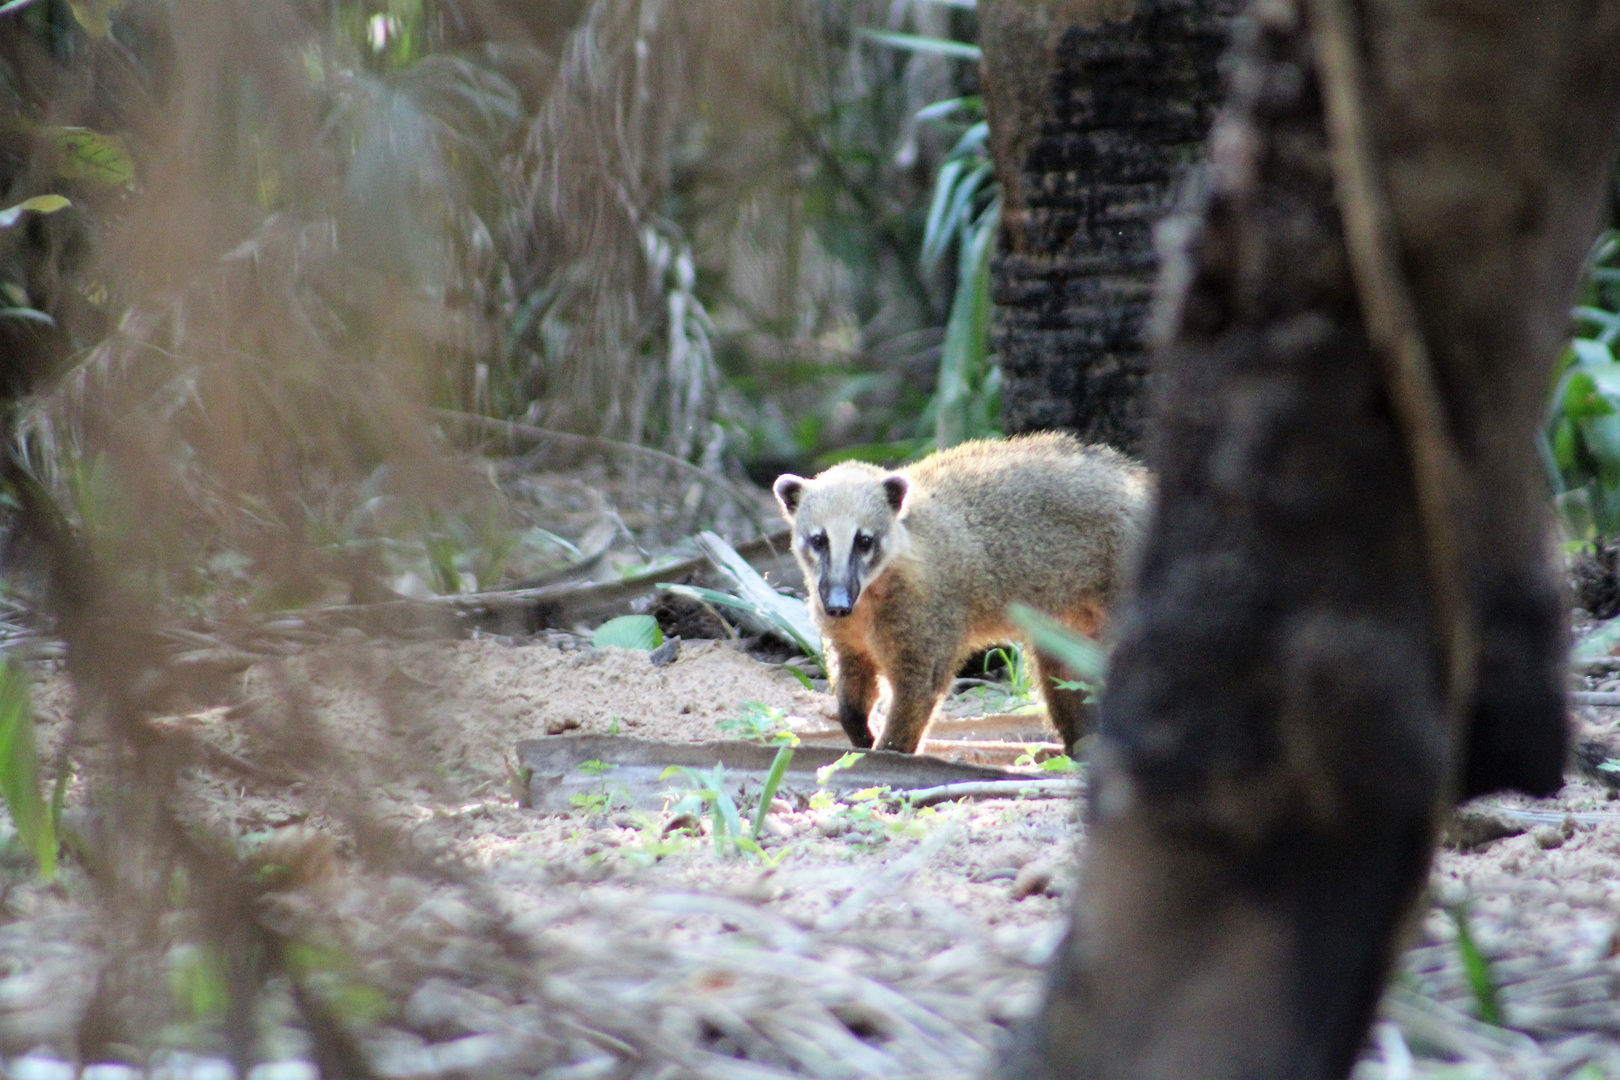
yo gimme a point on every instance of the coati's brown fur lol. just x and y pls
(910, 572)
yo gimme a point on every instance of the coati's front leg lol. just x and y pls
(919, 682)
(857, 692)
(1068, 709)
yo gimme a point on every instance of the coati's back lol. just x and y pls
(1039, 519)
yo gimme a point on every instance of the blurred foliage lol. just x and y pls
(1582, 444)
(278, 231)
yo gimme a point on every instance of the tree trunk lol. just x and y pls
(1276, 748)
(1097, 109)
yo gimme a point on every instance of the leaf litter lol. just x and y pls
(861, 939)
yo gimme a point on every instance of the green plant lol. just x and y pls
(1581, 443)
(761, 723)
(824, 774)
(596, 803)
(773, 780)
(19, 770)
(1020, 682)
(965, 212)
(1477, 968)
(709, 793)
(1057, 763)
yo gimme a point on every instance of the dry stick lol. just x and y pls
(613, 446)
(993, 789)
(1396, 336)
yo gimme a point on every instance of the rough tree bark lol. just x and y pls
(1275, 754)
(1097, 109)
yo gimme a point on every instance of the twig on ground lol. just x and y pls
(996, 789)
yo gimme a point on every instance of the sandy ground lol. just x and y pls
(953, 909)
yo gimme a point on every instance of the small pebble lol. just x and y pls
(1547, 836)
(832, 826)
(1034, 878)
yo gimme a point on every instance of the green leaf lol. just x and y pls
(972, 104)
(920, 44)
(773, 780)
(1601, 434)
(93, 15)
(1583, 399)
(39, 204)
(935, 239)
(824, 773)
(89, 155)
(1591, 352)
(629, 632)
(1480, 979)
(19, 768)
(1079, 653)
(1565, 444)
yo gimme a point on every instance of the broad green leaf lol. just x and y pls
(39, 204)
(918, 43)
(89, 155)
(629, 632)
(1079, 653)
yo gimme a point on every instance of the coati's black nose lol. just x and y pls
(837, 601)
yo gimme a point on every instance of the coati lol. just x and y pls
(911, 571)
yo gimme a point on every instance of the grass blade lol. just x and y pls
(1478, 968)
(918, 43)
(19, 769)
(773, 780)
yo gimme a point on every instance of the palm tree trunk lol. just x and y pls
(1097, 109)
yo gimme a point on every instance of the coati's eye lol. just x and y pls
(818, 541)
(863, 543)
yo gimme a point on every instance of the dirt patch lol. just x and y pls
(464, 705)
(889, 940)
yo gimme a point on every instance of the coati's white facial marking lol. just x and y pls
(847, 528)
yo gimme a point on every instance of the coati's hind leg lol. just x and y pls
(919, 682)
(857, 691)
(1070, 714)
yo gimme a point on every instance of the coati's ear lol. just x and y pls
(895, 487)
(789, 489)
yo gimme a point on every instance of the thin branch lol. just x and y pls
(741, 496)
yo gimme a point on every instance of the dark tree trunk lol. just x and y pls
(1090, 142)
(1275, 752)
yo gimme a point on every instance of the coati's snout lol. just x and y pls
(846, 529)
